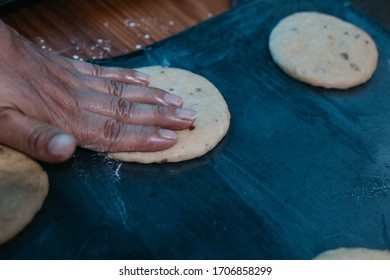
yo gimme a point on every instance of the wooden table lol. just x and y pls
(90, 29)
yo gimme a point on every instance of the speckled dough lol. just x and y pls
(23, 188)
(354, 254)
(323, 50)
(211, 125)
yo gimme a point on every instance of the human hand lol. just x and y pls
(50, 104)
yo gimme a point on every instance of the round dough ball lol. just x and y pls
(23, 188)
(211, 125)
(323, 50)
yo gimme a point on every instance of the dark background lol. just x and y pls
(378, 9)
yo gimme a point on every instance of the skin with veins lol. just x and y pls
(50, 104)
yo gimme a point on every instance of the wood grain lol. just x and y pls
(98, 29)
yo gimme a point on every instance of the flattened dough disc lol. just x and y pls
(23, 188)
(323, 50)
(199, 94)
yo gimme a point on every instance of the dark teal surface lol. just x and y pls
(301, 170)
(379, 10)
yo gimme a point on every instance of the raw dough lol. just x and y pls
(199, 94)
(323, 50)
(354, 254)
(23, 188)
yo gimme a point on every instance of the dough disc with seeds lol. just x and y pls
(354, 254)
(323, 50)
(23, 188)
(211, 125)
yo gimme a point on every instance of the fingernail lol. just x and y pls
(174, 100)
(59, 145)
(168, 134)
(141, 76)
(186, 114)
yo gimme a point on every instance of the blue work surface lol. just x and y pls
(301, 170)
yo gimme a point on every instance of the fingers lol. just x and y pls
(100, 133)
(105, 134)
(129, 112)
(126, 83)
(38, 139)
(135, 93)
(122, 75)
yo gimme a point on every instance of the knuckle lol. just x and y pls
(123, 108)
(142, 136)
(97, 70)
(162, 113)
(115, 88)
(35, 138)
(160, 110)
(113, 130)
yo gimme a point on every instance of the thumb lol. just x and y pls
(38, 139)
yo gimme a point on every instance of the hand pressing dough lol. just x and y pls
(323, 50)
(354, 254)
(211, 125)
(23, 188)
